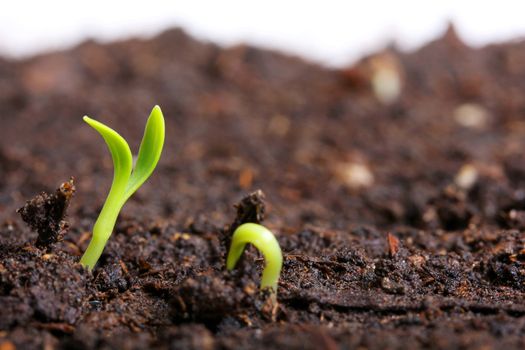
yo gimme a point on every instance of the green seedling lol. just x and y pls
(263, 240)
(126, 179)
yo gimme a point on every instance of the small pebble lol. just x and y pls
(386, 84)
(466, 177)
(355, 175)
(471, 115)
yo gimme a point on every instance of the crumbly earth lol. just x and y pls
(396, 188)
(45, 214)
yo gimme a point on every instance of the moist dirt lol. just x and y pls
(395, 186)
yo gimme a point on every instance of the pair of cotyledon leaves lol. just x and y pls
(126, 179)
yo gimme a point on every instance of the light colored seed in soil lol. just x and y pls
(471, 115)
(466, 176)
(178, 235)
(386, 84)
(355, 175)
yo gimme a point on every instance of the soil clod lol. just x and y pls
(251, 208)
(45, 214)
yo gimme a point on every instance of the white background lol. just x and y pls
(329, 31)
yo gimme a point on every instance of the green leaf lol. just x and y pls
(120, 153)
(149, 152)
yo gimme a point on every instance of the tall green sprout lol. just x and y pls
(264, 240)
(126, 179)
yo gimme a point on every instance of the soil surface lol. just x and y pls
(396, 188)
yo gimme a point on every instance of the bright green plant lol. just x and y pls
(263, 240)
(126, 179)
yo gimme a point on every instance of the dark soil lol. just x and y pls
(46, 212)
(401, 217)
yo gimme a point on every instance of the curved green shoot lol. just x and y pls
(265, 241)
(126, 180)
